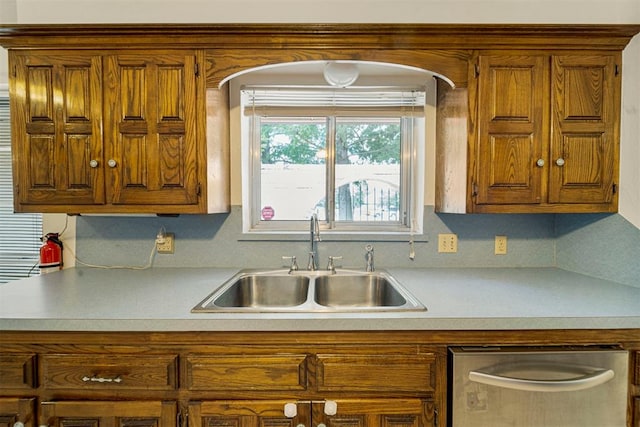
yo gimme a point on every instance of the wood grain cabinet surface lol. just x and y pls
(135, 118)
(246, 379)
(109, 414)
(285, 372)
(17, 371)
(381, 373)
(56, 103)
(635, 387)
(349, 413)
(108, 371)
(17, 410)
(108, 131)
(547, 136)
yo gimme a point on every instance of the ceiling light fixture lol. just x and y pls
(341, 74)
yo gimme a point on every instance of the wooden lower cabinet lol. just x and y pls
(338, 413)
(635, 388)
(250, 379)
(17, 410)
(109, 414)
(246, 413)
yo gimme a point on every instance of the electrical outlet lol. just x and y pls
(447, 243)
(165, 244)
(501, 245)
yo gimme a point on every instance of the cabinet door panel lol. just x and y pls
(584, 144)
(57, 120)
(511, 128)
(14, 410)
(110, 414)
(153, 132)
(377, 413)
(247, 413)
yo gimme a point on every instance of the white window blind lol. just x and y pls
(19, 233)
(281, 101)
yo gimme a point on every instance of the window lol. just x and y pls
(348, 156)
(19, 233)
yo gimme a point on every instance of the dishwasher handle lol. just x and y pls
(583, 382)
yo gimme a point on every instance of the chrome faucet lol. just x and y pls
(368, 256)
(314, 238)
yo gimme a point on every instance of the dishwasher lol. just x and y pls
(538, 386)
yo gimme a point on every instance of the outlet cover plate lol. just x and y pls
(166, 246)
(501, 245)
(447, 243)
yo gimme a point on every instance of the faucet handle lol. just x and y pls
(294, 263)
(331, 264)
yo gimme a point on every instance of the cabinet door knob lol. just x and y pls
(560, 161)
(112, 163)
(18, 424)
(330, 407)
(540, 163)
(290, 410)
(93, 163)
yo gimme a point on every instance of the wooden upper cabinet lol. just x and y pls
(108, 132)
(56, 102)
(547, 137)
(584, 142)
(511, 128)
(150, 128)
(135, 118)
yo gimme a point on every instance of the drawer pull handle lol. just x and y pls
(101, 380)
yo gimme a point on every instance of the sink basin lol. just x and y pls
(265, 291)
(254, 291)
(363, 290)
(258, 291)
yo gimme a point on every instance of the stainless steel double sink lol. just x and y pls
(309, 291)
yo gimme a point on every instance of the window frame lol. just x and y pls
(411, 175)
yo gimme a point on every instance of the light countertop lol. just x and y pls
(161, 299)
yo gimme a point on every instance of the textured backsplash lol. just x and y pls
(605, 246)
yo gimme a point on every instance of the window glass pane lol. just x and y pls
(292, 172)
(368, 156)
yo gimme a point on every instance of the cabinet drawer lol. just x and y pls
(376, 373)
(108, 371)
(17, 370)
(255, 372)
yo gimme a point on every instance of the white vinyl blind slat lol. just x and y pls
(277, 101)
(19, 233)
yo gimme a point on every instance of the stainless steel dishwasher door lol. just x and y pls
(538, 387)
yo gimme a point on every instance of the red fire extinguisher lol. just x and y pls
(50, 253)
